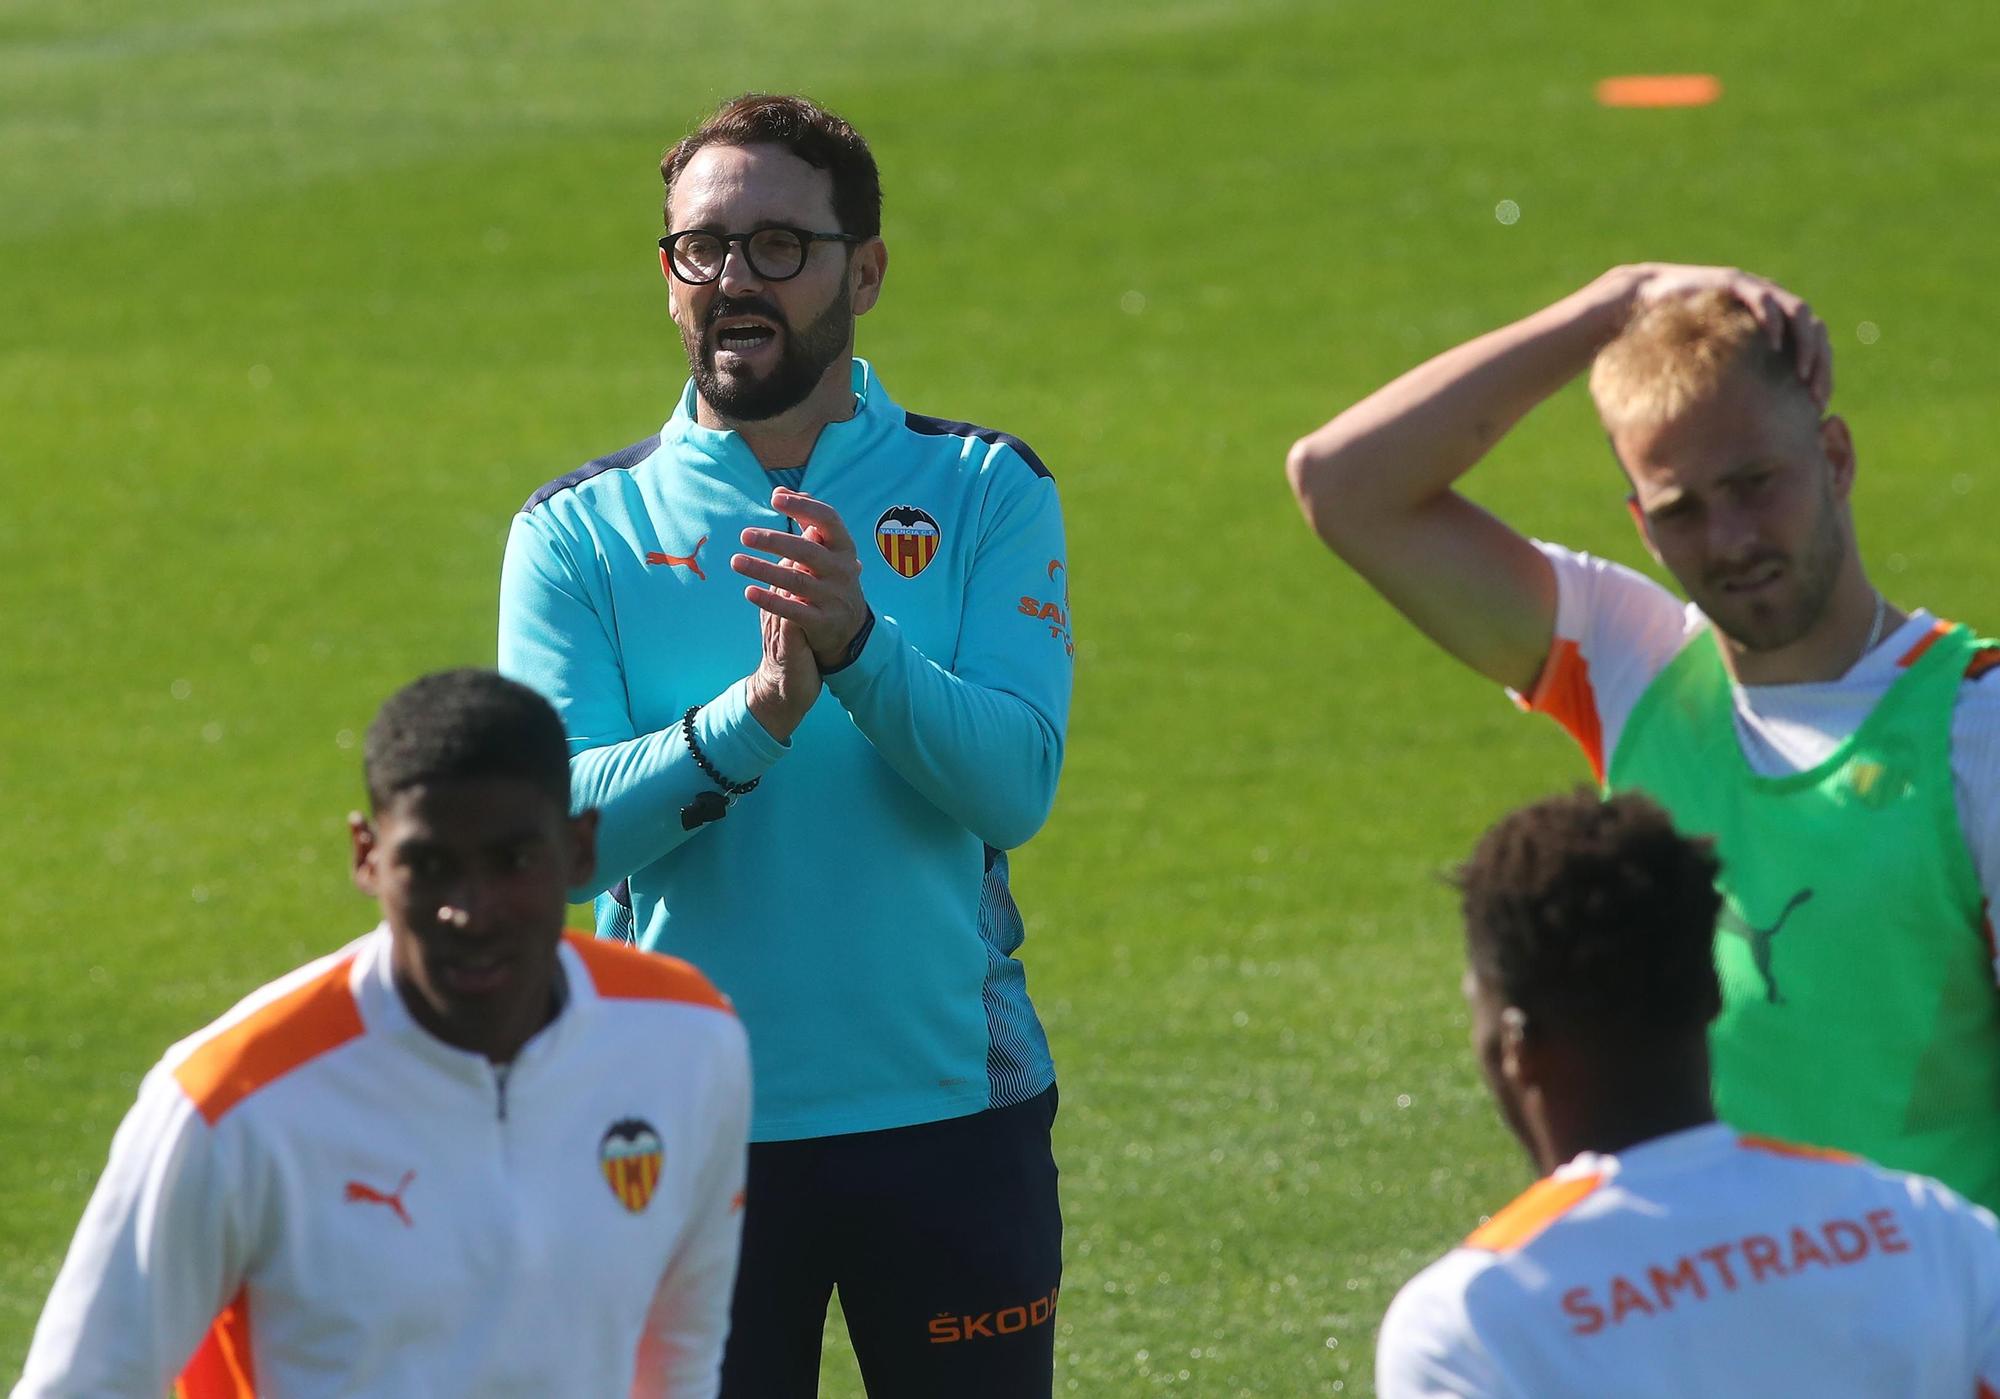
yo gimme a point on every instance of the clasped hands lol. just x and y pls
(810, 604)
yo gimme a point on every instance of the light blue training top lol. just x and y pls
(855, 906)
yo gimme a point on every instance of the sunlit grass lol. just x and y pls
(301, 300)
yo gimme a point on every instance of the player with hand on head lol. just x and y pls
(1840, 750)
(404, 1168)
(810, 772)
(1665, 1253)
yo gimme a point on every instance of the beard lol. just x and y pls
(803, 358)
(1775, 624)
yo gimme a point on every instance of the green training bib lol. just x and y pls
(1858, 1002)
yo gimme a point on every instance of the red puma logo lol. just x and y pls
(692, 562)
(369, 1195)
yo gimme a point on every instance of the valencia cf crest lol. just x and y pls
(908, 538)
(631, 1157)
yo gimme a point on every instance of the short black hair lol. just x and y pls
(1595, 915)
(460, 724)
(806, 129)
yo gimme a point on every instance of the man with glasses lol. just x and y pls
(809, 782)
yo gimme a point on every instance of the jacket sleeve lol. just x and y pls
(156, 1257)
(1428, 1347)
(680, 1353)
(982, 737)
(556, 637)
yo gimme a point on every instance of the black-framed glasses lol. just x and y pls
(777, 253)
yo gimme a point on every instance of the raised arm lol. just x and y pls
(680, 1350)
(1376, 483)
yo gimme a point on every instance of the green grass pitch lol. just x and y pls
(300, 298)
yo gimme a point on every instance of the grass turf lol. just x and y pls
(301, 299)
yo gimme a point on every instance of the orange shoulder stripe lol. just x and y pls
(1986, 658)
(220, 1367)
(624, 973)
(1929, 639)
(271, 1041)
(1800, 1150)
(1534, 1210)
(1565, 694)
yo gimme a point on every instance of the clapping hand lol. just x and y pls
(816, 583)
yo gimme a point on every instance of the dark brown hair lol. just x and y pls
(461, 724)
(810, 132)
(1595, 915)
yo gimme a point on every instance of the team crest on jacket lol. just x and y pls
(908, 538)
(631, 1157)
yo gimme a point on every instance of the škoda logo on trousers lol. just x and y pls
(950, 1328)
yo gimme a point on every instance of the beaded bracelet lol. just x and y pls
(708, 806)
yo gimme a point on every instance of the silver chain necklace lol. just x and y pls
(1875, 631)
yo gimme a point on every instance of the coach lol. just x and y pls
(808, 784)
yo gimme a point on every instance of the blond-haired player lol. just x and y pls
(1839, 750)
(1664, 1252)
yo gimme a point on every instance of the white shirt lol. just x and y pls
(1616, 630)
(343, 1204)
(1707, 1263)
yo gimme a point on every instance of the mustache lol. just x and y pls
(724, 306)
(1718, 576)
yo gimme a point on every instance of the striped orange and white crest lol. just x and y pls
(908, 538)
(631, 1158)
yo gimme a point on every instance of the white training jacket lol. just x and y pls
(314, 1196)
(1708, 1262)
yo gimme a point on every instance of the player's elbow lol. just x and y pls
(1302, 471)
(1315, 470)
(1012, 830)
(1013, 822)
(1009, 830)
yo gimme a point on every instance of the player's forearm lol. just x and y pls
(680, 1350)
(986, 758)
(156, 1255)
(553, 639)
(639, 786)
(1399, 450)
